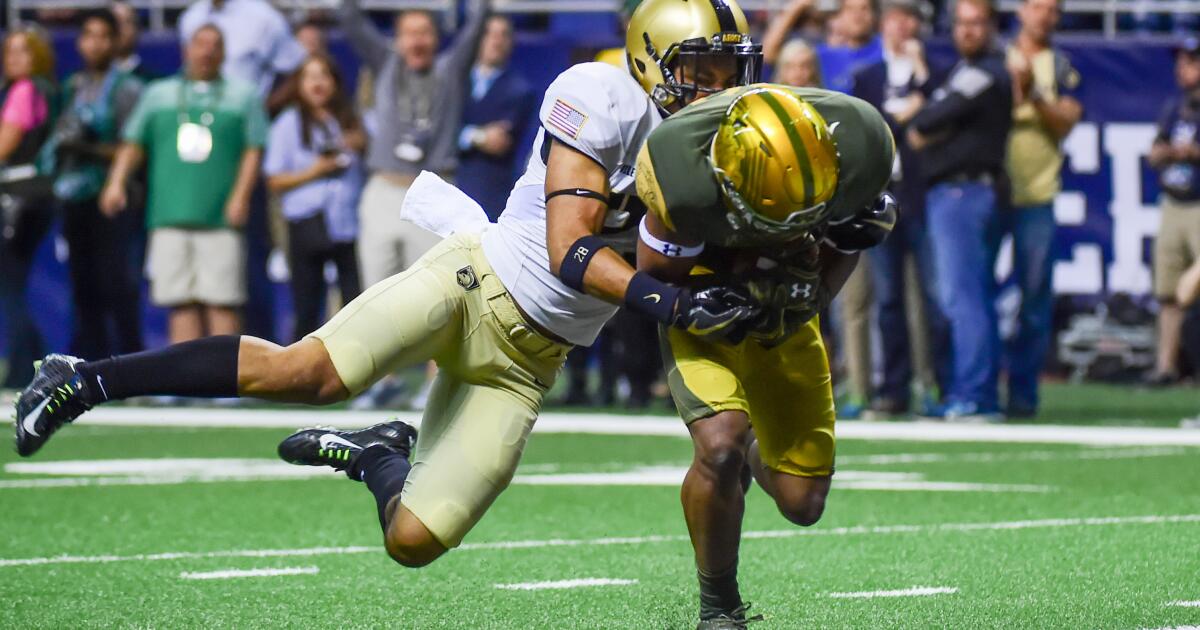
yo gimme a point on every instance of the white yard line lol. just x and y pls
(614, 424)
(243, 573)
(877, 530)
(561, 584)
(174, 471)
(916, 591)
(1103, 453)
(1185, 604)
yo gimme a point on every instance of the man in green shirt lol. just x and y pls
(203, 136)
(780, 187)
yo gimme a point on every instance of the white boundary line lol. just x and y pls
(916, 591)
(859, 530)
(1185, 604)
(562, 584)
(243, 573)
(614, 424)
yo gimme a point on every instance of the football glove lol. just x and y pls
(866, 229)
(790, 293)
(717, 312)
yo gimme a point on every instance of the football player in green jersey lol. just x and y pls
(794, 190)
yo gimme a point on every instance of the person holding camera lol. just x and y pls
(314, 163)
(96, 103)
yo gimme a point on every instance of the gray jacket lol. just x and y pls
(412, 110)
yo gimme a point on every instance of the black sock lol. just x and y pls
(203, 368)
(718, 592)
(384, 472)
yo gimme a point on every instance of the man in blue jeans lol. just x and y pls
(1044, 112)
(962, 132)
(894, 86)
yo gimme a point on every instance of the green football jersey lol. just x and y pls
(677, 183)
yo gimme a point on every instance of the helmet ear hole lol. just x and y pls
(641, 65)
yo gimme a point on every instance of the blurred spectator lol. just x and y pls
(26, 116)
(909, 337)
(797, 65)
(96, 103)
(314, 162)
(1176, 156)
(204, 135)
(417, 95)
(493, 120)
(311, 37)
(259, 46)
(1044, 88)
(962, 133)
(850, 42)
(129, 31)
(418, 104)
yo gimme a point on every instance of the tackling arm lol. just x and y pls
(570, 217)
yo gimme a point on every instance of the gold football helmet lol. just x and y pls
(665, 36)
(776, 161)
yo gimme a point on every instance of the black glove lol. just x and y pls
(790, 295)
(718, 312)
(866, 229)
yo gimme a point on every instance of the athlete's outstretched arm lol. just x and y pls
(571, 217)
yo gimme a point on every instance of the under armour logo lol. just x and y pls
(801, 290)
(672, 250)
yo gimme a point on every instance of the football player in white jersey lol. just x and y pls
(498, 313)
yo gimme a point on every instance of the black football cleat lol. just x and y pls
(736, 619)
(338, 449)
(57, 395)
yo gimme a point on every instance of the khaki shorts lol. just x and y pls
(494, 371)
(187, 266)
(387, 244)
(1177, 245)
(786, 391)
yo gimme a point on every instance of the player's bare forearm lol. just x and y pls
(571, 217)
(836, 268)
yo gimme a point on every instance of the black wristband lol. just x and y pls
(655, 298)
(575, 263)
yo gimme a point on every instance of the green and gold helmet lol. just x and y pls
(776, 161)
(665, 36)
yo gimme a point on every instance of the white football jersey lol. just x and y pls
(602, 112)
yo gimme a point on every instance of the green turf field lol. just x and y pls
(1007, 535)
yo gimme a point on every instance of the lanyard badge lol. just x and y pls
(194, 142)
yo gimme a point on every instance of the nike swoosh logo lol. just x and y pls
(100, 382)
(653, 296)
(833, 126)
(330, 440)
(30, 421)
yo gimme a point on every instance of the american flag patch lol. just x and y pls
(566, 119)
